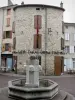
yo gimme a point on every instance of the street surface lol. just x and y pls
(65, 83)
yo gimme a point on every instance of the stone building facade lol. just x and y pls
(69, 58)
(7, 36)
(50, 31)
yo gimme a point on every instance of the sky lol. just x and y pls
(68, 5)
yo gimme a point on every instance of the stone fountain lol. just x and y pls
(32, 87)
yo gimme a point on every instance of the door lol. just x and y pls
(59, 65)
(9, 63)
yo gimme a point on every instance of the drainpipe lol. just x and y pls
(45, 38)
(2, 37)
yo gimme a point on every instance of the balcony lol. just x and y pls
(7, 40)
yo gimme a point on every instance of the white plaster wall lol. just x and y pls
(5, 28)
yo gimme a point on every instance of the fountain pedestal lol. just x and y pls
(32, 87)
(32, 74)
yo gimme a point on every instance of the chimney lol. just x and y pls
(61, 4)
(10, 3)
(22, 3)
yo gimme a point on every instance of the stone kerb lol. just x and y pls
(32, 93)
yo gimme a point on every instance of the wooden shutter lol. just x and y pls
(8, 21)
(14, 43)
(4, 35)
(8, 11)
(35, 41)
(62, 27)
(39, 40)
(10, 34)
(3, 47)
(35, 21)
(13, 27)
(62, 43)
(37, 18)
(39, 21)
(9, 48)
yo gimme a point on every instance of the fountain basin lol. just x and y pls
(47, 89)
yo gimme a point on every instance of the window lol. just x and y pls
(71, 49)
(7, 47)
(8, 34)
(37, 21)
(37, 41)
(8, 11)
(36, 57)
(66, 36)
(37, 8)
(8, 22)
(67, 49)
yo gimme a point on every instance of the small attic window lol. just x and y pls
(37, 8)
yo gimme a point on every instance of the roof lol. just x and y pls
(4, 7)
(39, 5)
(69, 24)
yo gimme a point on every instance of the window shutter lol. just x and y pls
(66, 36)
(71, 49)
(37, 18)
(4, 35)
(62, 27)
(39, 40)
(62, 43)
(13, 27)
(35, 41)
(35, 21)
(14, 43)
(8, 21)
(3, 47)
(10, 34)
(9, 49)
(8, 11)
(74, 36)
(39, 21)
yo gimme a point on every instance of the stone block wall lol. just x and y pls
(24, 31)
